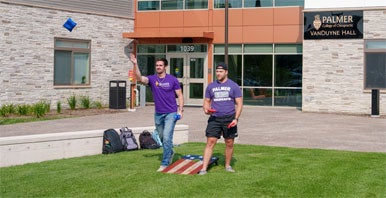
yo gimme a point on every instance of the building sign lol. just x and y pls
(333, 25)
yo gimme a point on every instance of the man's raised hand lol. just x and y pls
(133, 59)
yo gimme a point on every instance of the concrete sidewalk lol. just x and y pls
(287, 127)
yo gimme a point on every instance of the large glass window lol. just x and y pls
(196, 4)
(172, 5)
(148, 5)
(234, 66)
(289, 2)
(257, 3)
(72, 62)
(269, 75)
(375, 64)
(145, 5)
(231, 3)
(257, 70)
(288, 70)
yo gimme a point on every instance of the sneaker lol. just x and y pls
(202, 172)
(161, 168)
(230, 169)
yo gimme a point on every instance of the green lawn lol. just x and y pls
(261, 171)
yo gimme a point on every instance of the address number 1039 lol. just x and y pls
(187, 48)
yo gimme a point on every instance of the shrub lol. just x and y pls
(39, 109)
(47, 106)
(85, 102)
(72, 102)
(23, 109)
(59, 107)
(3, 111)
(7, 109)
(98, 104)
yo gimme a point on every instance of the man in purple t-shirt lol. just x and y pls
(223, 102)
(164, 87)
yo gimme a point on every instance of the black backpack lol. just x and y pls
(128, 139)
(111, 142)
(146, 141)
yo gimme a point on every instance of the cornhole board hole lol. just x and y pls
(189, 165)
(69, 24)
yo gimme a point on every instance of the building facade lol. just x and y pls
(280, 52)
(341, 67)
(42, 60)
(264, 45)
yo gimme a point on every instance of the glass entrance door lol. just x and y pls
(189, 70)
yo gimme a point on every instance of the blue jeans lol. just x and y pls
(164, 123)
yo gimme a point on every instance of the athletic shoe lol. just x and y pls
(202, 172)
(230, 169)
(161, 168)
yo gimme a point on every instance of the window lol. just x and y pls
(375, 64)
(148, 5)
(234, 67)
(72, 62)
(196, 4)
(172, 5)
(231, 4)
(289, 3)
(268, 74)
(144, 5)
(257, 3)
(257, 70)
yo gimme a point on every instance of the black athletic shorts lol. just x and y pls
(217, 126)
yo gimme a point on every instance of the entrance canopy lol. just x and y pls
(168, 34)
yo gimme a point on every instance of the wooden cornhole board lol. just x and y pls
(188, 165)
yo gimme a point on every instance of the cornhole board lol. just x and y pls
(188, 165)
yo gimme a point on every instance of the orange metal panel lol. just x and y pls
(288, 34)
(147, 19)
(198, 18)
(168, 31)
(171, 19)
(235, 34)
(219, 34)
(235, 17)
(258, 16)
(255, 25)
(288, 16)
(143, 33)
(218, 18)
(258, 34)
(194, 30)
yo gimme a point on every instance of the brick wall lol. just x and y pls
(333, 71)
(27, 53)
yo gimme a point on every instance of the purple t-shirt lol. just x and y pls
(222, 96)
(164, 94)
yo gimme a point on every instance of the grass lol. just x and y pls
(262, 171)
(5, 121)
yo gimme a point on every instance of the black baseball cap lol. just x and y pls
(222, 66)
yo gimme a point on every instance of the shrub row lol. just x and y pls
(43, 107)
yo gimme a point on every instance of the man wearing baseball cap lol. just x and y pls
(223, 102)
